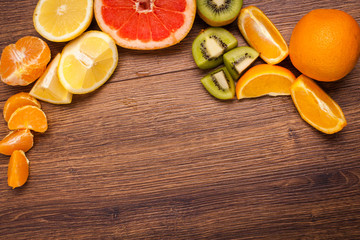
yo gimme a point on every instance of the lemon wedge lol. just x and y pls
(87, 62)
(48, 87)
(62, 20)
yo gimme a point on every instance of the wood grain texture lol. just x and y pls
(151, 155)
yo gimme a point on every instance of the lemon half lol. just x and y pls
(62, 20)
(87, 62)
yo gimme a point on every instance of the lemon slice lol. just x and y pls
(62, 20)
(87, 62)
(48, 88)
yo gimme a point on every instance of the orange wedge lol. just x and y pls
(28, 117)
(262, 35)
(17, 140)
(316, 107)
(264, 79)
(18, 100)
(18, 170)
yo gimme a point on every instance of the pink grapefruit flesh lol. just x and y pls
(145, 24)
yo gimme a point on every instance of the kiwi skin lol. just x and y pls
(215, 89)
(217, 23)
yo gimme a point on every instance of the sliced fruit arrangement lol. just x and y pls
(316, 107)
(220, 84)
(145, 24)
(218, 13)
(61, 21)
(24, 62)
(239, 59)
(87, 62)
(18, 169)
(264, 79)
(48, 87)
(23, 113)
(309, 51)
(262, 35)
(209, 46)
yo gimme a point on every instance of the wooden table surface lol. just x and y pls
(151, 155)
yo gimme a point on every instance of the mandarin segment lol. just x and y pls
(21, 139)
(18, 169)
(28, 117)
(24, 62)
(18, 100)
(316, 107)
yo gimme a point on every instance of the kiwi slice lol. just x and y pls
(220, 84)
(218, 13)
(238, 59)
(209, 46)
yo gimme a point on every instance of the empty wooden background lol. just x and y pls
(151, 155)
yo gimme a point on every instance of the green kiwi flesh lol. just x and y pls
(209, 46)
(239, 59)
(218, 13)
(220, 84)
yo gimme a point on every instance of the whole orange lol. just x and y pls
(325, 44)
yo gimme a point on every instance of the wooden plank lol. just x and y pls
(152, 155)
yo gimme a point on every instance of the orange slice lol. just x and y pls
(264, 79)
(24, 62)
(18, 100)
(18, 170)
(145, 24)
(28, 117)
(17, 140)
(316, 107)
(262, 35)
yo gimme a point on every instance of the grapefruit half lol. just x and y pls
(145, 24)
